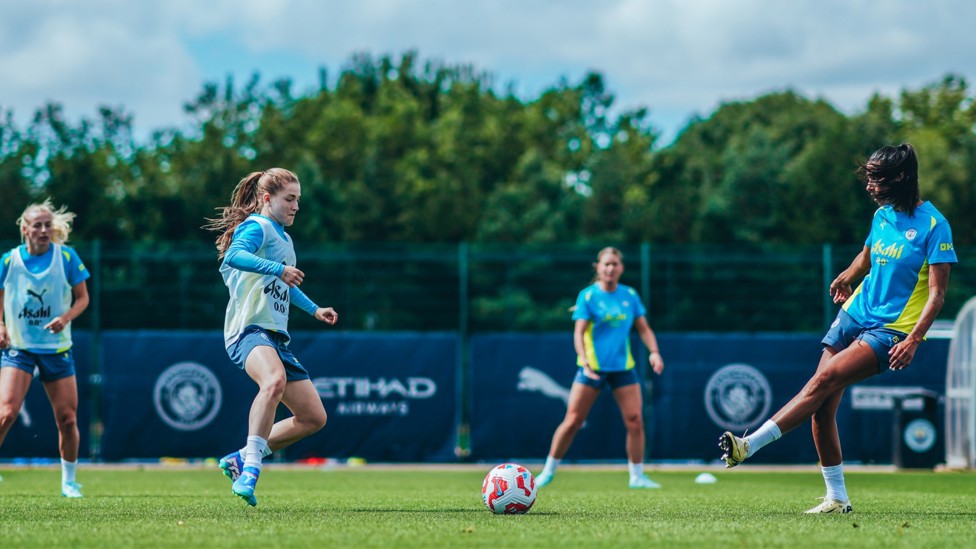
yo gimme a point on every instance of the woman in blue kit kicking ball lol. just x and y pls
(903, 271)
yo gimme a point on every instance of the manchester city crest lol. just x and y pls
(737, 396)
(920, 435)
(187, 396)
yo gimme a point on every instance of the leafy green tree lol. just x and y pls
(760, 171)
(83, 169)
(16, 156)
(939, 120)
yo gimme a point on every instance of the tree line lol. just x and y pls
(406, 150)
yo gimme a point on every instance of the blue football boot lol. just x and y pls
(231, 465)
(244, 485)
(543, 479)
(71, 490)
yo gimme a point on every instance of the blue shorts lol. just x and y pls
(615, 380)
(53, 366)
(845, 330)
(254, 336)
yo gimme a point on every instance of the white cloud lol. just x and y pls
(89, 55)
(675, 57)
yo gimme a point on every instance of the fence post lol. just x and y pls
(645, 258)
(648, 397)
(95, 374)
(828, 269)
(463, 421)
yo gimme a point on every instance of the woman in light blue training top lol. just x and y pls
(905, 269)
(604, 314)
(43, 290)
(259, 271)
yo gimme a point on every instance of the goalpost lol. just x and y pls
(960, 401)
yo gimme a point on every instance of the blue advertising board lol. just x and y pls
(734, 382)
(711, 383)
(519, 392)
(171, 394)
(395, 397)
(388, 396)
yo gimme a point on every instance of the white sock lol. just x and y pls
(68, 470)
(834, 478)
(256, 448)
(264, 453)
(763, 436)
(550, 466)
(636, 469)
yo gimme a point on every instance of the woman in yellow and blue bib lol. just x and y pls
(604, 315)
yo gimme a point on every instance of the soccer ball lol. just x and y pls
(509, 489)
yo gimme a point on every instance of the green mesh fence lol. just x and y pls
(479, 287)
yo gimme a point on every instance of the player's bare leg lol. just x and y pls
(309, 415)
(581, 399)
(63, 394)
(631, 405)
(14, 384)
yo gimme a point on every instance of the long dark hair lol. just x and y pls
(245, 200)
(895, 171)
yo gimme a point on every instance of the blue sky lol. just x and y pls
(678, 58)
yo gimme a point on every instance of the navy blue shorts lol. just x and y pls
(614, 379)
(254, 336)
(845, 330)
(52, 366)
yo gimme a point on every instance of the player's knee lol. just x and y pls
(573, 422)
(66, 419)
(822, 417)
(313, 422)
(8, 414)
(274, 386)
(318, 421)
(823, 383)
(634, 422)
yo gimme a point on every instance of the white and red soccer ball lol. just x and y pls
(509, 489)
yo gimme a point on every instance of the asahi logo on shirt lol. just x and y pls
(36, 316)
(278, 295)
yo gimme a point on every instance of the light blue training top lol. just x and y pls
(902, 247)
(611, 315)
(248, 239)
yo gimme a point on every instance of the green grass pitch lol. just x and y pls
(424, 507)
